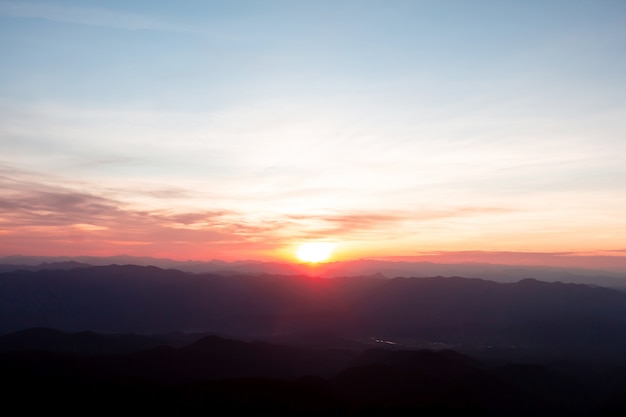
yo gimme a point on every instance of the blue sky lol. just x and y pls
(203, 129)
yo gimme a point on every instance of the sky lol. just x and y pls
(241, 129)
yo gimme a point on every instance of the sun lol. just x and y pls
(315, 252)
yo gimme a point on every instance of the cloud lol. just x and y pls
(384, 223)
(34, 214)
(194, 218)
(50, 211)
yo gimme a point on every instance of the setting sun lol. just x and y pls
(315, 251)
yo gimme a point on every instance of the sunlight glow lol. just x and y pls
(315, 252)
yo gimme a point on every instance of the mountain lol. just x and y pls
(255, 378)
(529, 316)
(532, 315)
(45, 265)
(612, 275)
(137, 340)
(149, 299)
(84, 343)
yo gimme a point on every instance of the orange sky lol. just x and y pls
(236, 130)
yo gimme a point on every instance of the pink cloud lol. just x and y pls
(39, 218)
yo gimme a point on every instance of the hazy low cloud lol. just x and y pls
(591, 260)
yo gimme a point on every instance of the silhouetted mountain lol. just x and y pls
(426, 361)
(213, 357)
(532, 314)
(86, 343)
(467, 314)
(149, 299)
(246, 378)
(494, 272)
(539, 348)
(42, 266)
(612, 275)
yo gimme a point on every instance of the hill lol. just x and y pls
(255, 378)
(527, 316)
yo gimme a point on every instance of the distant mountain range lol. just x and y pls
(609, 277)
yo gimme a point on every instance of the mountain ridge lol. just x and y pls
(510, 272)
(469, 313)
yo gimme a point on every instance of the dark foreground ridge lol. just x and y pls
(257, 379)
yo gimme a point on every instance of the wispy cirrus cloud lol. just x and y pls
(35, 215)
(49, 211)
(368, 224)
